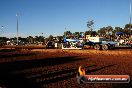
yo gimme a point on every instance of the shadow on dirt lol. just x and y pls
(9, 53)
(28, 64)
(19, 80)
(16, 55)
(7, 50)
(100, 68)
(15, 80)
(56, 76)
(64, 74)
(122, 85)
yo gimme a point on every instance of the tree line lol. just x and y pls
(104, 31)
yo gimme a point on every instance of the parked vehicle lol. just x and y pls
(50, 44)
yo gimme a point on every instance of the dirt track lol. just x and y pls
(54, 68)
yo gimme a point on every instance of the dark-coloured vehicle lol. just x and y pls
(50, 45)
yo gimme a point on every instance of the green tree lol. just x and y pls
(117, 29)
(30, 39)
(90, 25)
(3, 40)
(102, 31)
(39, 39)
(92, 33)
(22, 39)
(76, 34)
(88, 33)
(127, 29)
(109, 30)
(59, 38)
(128, 26)
(67, 33)
(50, 37)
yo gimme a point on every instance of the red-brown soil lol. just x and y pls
(56, 68)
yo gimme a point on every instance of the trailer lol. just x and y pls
(72, 44)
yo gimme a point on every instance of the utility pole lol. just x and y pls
(130, 16)
(17, 27)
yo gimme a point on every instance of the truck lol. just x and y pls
(100, 43)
